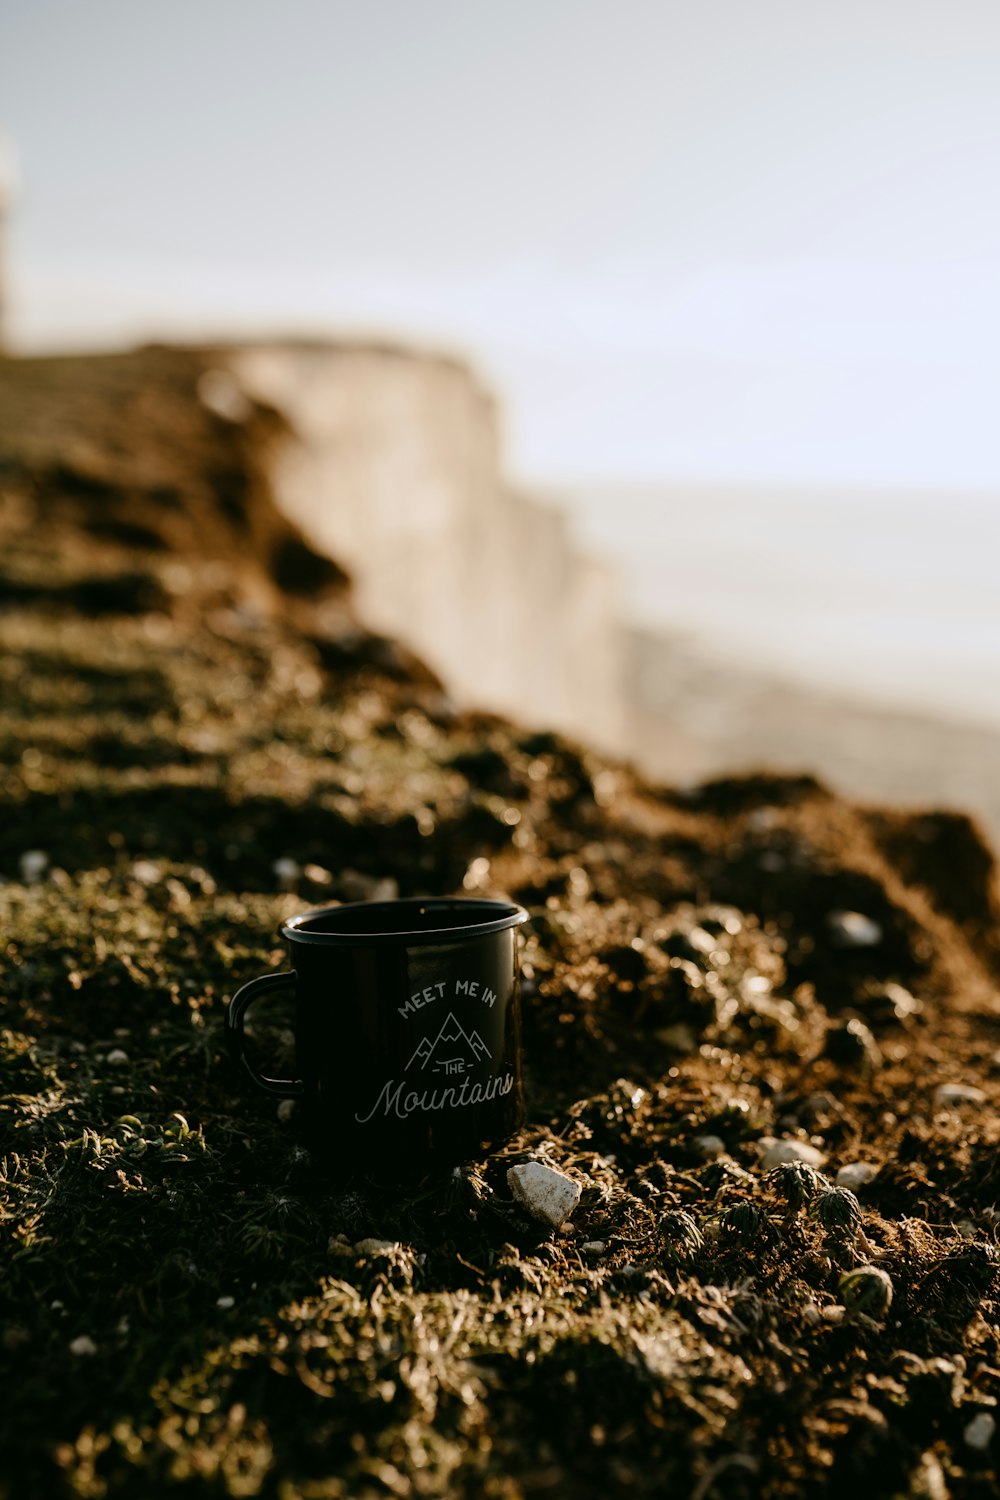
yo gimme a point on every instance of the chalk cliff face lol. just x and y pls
(393, 468)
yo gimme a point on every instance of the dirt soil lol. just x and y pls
(198, 740)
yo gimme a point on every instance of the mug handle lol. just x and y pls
(284, 1088)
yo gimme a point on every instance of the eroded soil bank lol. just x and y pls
(198, 740)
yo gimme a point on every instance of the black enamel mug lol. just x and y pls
(407, 1030)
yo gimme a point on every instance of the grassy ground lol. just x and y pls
(186, 700)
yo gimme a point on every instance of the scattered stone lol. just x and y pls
(775, 1152)
(220, 393)
(375, 1247)
(954, 1095)
(709, 1146)
(225, 1302)
(83, 1346)
(852, 929)
(117, 1058)
(548, 1195)
(286, 1110)
(855, 1174)
(146, 872)
(979, 1433)
(32, 865)
(594, 1247)
(287, 870)
(928, 1482)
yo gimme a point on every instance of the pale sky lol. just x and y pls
(749, 240)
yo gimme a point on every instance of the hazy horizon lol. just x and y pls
(733, 243)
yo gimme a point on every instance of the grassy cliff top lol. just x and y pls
(199, 739)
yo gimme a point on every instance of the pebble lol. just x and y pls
(32, 865)
(776, 1152)
(927, 1482)
(221, 394)
(594, 1247)
(375, 1247)
(83, 1345)
(117, 1058)
(954, 1095)
(709, 1146)
(854, 1174)
(852, 929)
(287, 870)
(225, 1302)
(979, 1433)
(146, 872)
(548, 1195)
(286, 1110)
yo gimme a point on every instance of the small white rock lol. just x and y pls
(548, 1195)
(979, 1433)
(852, 929)
(146, 872)
(954, 1095)
(775, 1153)
(709, 1146)
(221, 394)
(33, 864)
(286, 1110)
(854, 1174)
(83, 1345)
(594, 1247)
(286, 869)
(225, 1302)
(116, 1058)
(375, 1247)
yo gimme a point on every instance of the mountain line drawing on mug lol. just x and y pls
(451, 1032)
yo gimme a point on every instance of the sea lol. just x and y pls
(891, 599)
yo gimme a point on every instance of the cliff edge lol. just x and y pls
(760, 1028)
